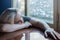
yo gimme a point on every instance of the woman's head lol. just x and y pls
(10, 15)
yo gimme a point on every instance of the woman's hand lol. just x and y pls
(28, 23)
(53, 34)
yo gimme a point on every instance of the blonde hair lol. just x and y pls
(8, 16)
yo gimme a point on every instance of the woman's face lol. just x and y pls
(19, 19)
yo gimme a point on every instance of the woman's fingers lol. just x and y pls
(46, 34)
(53, 35)
(57, 35)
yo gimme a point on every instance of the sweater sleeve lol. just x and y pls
(25, 18)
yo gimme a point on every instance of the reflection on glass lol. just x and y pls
(37, 36)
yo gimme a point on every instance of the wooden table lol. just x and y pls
(28, 32)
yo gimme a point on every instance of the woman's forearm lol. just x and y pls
(14, 27)
(44, 25)
(39, 24)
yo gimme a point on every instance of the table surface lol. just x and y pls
(33, 33)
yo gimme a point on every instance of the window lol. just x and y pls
(20, 4)
(41, 9)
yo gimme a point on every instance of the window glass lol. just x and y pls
(20, 4)
(41, 9)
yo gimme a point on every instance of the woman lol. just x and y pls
(11, 21)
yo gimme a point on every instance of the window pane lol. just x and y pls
(20, 4)
(42, 9)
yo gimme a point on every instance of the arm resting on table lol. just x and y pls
(14, 27)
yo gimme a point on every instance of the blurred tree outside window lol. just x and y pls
(41, 9)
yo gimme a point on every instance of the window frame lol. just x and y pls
(55, 15)
(58, 10)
